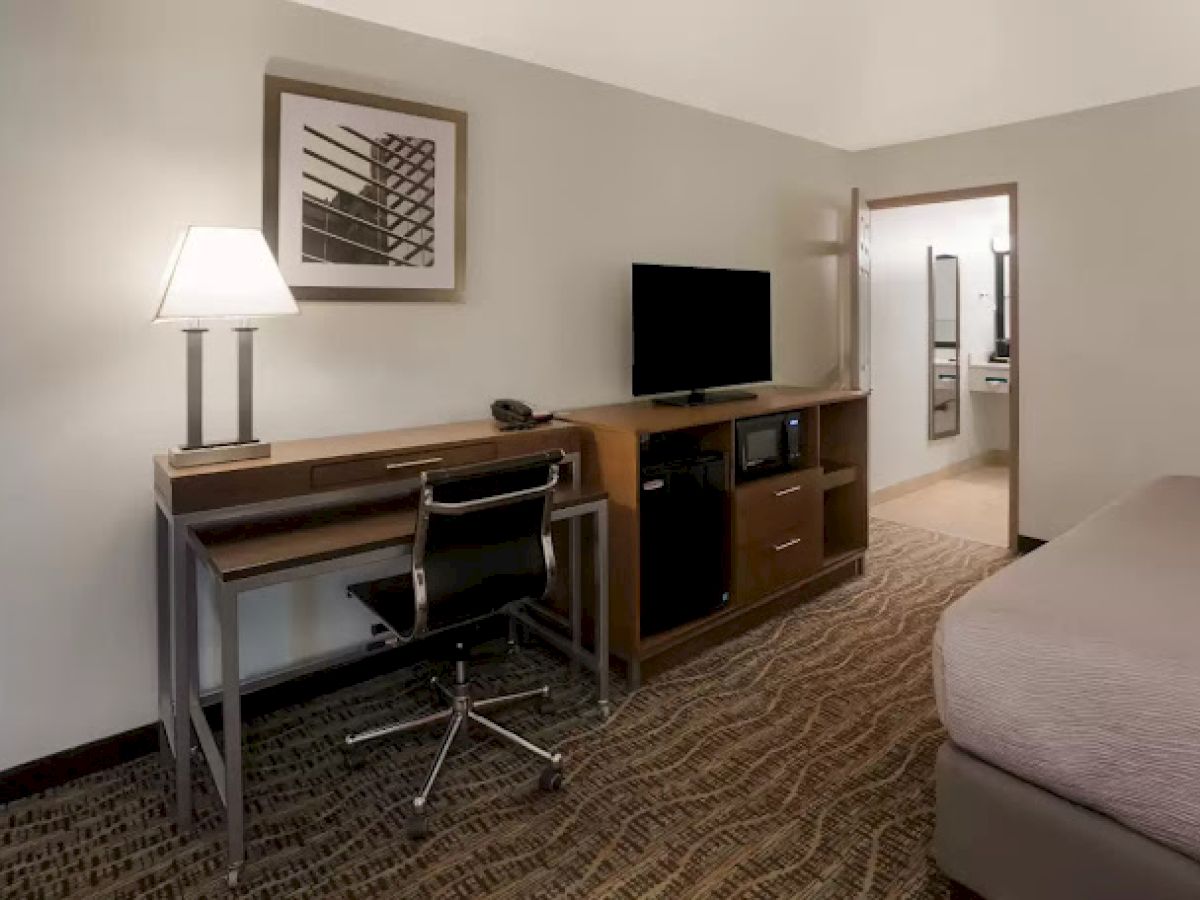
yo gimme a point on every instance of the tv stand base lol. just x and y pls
(705, 398)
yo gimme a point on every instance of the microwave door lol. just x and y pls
(761, 446)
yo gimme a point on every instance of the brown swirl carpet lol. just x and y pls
(795, 761)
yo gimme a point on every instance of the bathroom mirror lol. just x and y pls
(944, 333)
(1003, 325)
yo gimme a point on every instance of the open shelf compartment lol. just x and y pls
(837, 474)
(843, 454)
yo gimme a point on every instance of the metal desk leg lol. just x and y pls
(162, 590)
(512, 635)
(231, 713)
(182, 732)
(600, 543)
(575, 525)
(190, 612)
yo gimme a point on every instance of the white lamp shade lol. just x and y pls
(1001, 243)
(224, 273)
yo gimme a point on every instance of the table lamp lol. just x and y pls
(222, 273)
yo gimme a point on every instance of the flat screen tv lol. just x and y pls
(695, 329)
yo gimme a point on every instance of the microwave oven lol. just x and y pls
(768, 444)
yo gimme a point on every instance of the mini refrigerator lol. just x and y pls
(683, 524)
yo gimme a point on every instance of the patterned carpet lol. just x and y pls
(794, 761)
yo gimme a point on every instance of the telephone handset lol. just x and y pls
(513, 415)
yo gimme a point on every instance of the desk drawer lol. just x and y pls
(777, 505)
(770, 565)
(399, 466)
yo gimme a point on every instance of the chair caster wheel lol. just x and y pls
(416, 826)
(551, 779)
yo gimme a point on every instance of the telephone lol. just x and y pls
(513, 415)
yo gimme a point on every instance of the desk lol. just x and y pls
(304, 480)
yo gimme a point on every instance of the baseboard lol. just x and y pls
(996, 458)
(58, 768)
(901, 488)
(1027, 544)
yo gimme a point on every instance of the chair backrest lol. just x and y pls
(483, 539)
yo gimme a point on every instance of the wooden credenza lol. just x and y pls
(788, 537)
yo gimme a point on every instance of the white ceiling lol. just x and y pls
(851, 73)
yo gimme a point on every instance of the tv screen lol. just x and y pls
(699, 328)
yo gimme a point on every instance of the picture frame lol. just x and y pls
(364, 196)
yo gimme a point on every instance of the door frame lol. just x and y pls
(1007, 189)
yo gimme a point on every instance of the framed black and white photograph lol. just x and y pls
(364, 196)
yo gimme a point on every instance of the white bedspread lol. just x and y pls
(1078, 667)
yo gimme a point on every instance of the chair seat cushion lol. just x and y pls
(391, 599)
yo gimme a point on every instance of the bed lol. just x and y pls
(1069, 685)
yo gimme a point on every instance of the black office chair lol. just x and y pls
(482, 548)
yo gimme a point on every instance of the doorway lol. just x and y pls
(940, 340)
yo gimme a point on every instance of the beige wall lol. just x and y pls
(1110, 306)
(126, 120)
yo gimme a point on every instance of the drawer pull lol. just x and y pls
(793, 542)
(791, 490)
(416, 462)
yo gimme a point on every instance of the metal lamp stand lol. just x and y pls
(195, 452)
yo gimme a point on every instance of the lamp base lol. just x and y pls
(209, 454)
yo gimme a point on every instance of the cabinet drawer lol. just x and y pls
(988, 379)
(770, 565)
(399, 466)
(778, 505)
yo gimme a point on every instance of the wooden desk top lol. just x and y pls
(348, 446)
(644, 417)
(300, 467)
(247, 549)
